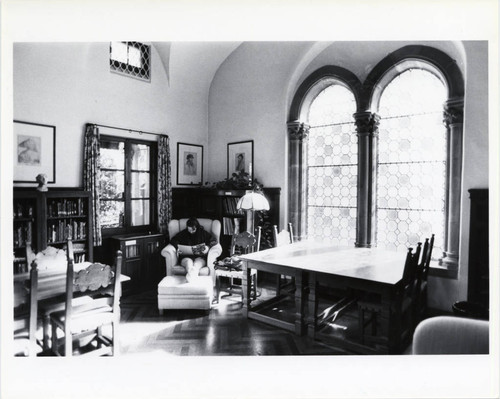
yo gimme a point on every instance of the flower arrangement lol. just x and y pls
(237, 181)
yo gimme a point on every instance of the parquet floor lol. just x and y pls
(222, 331)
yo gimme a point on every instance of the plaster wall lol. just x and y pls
(70, 84)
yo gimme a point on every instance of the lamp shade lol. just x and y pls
(253, 201)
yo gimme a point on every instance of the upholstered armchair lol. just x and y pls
(172, 261)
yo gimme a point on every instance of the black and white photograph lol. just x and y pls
(34, 151)
(305, 210)
(240, 158)
(189, 164)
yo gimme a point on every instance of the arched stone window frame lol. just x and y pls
(298, 136)
(366, 118)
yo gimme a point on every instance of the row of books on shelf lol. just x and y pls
(60, 231)
(23, 234)
(65, 207)
(229, 205)
(23, 209)
(230, 226)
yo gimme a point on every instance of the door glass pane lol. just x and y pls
(112, 154)
(140, 212)
(112, 213)
(112, 184)
(140, 185)
(140, 156)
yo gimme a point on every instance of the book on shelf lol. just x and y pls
(65, 207)
(230, 225)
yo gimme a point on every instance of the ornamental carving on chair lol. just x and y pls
(298, 130)
(94, 277)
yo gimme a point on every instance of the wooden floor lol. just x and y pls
(218, 332)
(222, 331)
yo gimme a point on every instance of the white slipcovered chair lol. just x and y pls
(174, 292)
(451, 335)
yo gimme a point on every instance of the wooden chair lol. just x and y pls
(242, 243)
(404, 314)
(420, 292)
(284, 237)
(82, 326)
(25, 315)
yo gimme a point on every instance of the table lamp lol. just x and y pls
(252, 202)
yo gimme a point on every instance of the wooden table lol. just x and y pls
(364, 269)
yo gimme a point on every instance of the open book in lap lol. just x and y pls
(186, 250)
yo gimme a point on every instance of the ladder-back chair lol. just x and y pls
(284, 237)
(404, 312)
(242, 243)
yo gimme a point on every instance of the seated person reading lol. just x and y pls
(192, 246)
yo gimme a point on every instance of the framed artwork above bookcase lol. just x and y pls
(45, 218)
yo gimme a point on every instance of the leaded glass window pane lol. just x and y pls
(332, 167)
(412, 161)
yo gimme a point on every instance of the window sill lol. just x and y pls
(437, 270)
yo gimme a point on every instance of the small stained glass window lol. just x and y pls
(131, 58)
(332, 167)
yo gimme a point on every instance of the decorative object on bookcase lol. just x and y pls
(34, 151)
(237, 181)
(189, 164)
(41, 179)
(42, 217)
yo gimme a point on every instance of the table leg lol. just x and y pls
(245, 285)
(391, 313)
(299, 304)
(313, 306)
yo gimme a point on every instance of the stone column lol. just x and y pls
(297, 177)
(367, 130)
(453, 120)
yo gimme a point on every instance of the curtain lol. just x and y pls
(91, 175)
(164, 184)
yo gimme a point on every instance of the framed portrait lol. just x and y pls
(34, 152)
(240, 158)
(189, 164)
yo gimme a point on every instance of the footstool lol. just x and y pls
(174, 292)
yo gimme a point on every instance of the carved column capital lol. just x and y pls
(298, 130)
(453, 112)
(366, 123)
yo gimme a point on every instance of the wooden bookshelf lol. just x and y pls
(42, 218)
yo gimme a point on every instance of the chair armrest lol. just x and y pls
(171, 259)
(212, 256)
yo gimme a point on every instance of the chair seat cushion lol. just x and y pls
(178, 285)
(87, 320)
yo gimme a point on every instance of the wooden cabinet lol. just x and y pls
(142, 260)
(221, 205)
(478, 282)
(42, 218)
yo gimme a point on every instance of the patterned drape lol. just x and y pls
(91, 171)
(164, 184)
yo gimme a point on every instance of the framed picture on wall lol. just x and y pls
(34, 152)
(189, 164)
(240, 158)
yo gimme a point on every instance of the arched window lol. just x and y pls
(412, 155)
(332, 166)
(406, 164)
